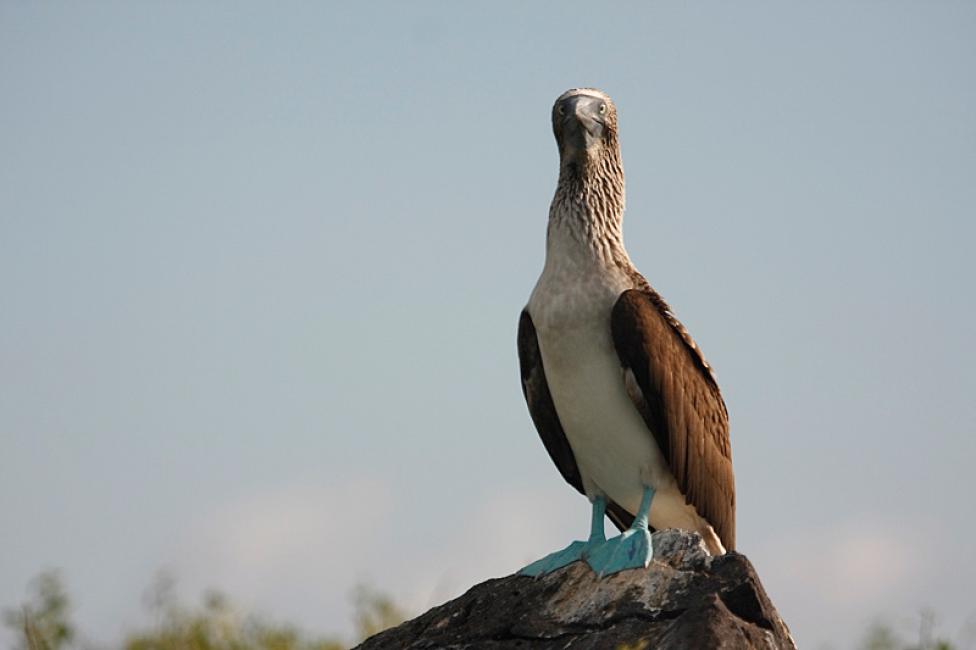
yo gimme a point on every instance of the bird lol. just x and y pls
(622, 397)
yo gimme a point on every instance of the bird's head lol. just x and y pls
(584, 121)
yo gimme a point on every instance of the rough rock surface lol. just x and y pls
(684, 600)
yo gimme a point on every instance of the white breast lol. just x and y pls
(616, 454)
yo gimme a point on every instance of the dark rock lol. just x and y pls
(684, 600)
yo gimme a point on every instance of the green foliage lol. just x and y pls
(215, 624)
(375, 611)
(880, 636)
(44, 621)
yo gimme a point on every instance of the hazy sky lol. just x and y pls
(261, 267)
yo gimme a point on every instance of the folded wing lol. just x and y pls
(672, 386)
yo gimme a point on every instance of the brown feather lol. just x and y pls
(535, 388)
(681, 404)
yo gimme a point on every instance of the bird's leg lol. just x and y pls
(597, 536)
(631, 549)
(577, 550)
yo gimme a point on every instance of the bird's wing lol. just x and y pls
(676, 393)
(541, 408)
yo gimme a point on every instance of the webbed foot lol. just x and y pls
(632, 549)
(577, 550)
(556, 560)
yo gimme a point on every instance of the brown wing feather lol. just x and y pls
(679, 399)
(535, 388)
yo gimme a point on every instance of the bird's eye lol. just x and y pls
(561, 110)
(603, 109)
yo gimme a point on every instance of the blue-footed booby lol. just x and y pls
(622, 397)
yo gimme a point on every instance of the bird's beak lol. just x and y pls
(581, 122)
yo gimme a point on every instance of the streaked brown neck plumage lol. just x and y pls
(589, 201)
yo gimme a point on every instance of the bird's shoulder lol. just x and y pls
(643, 297)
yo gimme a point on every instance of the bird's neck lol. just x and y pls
(587, 211)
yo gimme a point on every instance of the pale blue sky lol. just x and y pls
(261, 267)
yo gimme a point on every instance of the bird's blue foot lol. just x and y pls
(632, 549)
(577, 550)
(556, 560)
